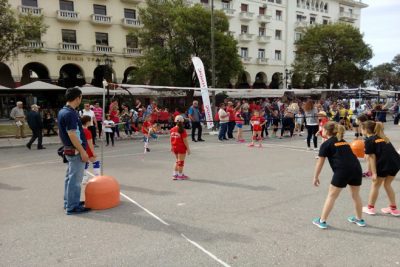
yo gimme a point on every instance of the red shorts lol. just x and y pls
(179, 150)
(257, 128)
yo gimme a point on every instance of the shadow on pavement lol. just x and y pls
(10, 187)
(145, 190)
(235, 185)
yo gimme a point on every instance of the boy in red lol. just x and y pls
(86, 121)
(257, 123)
(180, 147)
(146, 129)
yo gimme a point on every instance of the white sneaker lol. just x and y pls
(85, 179)
(316, 149)
(308, 148)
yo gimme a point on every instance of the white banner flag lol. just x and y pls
(199, 67)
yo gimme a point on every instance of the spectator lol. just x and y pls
(18, 115)
(93, 124)
(195, 116)
(98, 112)
(223, 123)
(231, 124)
(36, 125)
(49, 123)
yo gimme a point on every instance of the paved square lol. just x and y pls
(242, 207)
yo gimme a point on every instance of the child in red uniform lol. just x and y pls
(146, 130)
(239, 124)
(180, 147)
(86, 121)
(256, 123)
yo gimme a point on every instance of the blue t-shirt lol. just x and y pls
(68, 120)
(195, 113)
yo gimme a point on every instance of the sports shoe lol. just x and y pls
(308, 148)
(320, 224)
(389, 210)
(367, 174)
(175, 177)
(360, 222)
(251, 145)
(370, 211)
(79, 210)
(182, 177)
(316, 149)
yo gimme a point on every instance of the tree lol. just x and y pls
(336, 51)
(172, 34)
(16, 31)
(386, 76)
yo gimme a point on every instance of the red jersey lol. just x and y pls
(176, 113)
(146, 126)
(177, 144)
(164, 116)
(88, 135)
(256, 122)
(238, 118)
(322, 122)
(231, 112)
(114, 116)
(154, 117)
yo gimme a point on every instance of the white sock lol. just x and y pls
(175, 173)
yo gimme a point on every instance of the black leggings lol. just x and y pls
(110, 136)
(311, 132)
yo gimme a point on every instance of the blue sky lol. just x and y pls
(380, 23)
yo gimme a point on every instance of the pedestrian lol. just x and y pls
(86, 121)
(93, 123)
(35, 122)
(74, 141)
(195, 119)
(346, 171)
(310, 113)
(49, 123)
(126, 118)
(239, 120)
(256, 123)
(231, 124)
(223, 122)
(18, 115)
(246, 114)
(180, 148)
(98, 112)
(114, 115)
(275, 122)
(384, 163)
(109, 126)
(147, 127)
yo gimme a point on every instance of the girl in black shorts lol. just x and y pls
(346, 171)
(384, 162)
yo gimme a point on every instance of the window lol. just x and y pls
(132, 42)
(66, 5)
(312, 20)
(261, 11)
(244, 52)
(278, 2)
(271, 1)
(100, 10)
(129, 13)
(325, 22)
(278, 14)
(101, 38)
(341, 9)
(68, 36)
(226, 4)
(299, 18)
(204, 2)
(298, 36)
(350, 11)
(244, 7)
(244, 29)
(326, 8)
(278, 34)
(261, 31)
(278, 55)
(261, 53)
(29, 3)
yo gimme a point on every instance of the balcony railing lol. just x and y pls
(69, 48)
(131, 23)
(264, 18)
(37, 11)
(67, 15)
(132, 1)
(263, 39)
(246, 60)
(132, 52)
(229, 12)
(262, 60)
(246, 15)
(33, 45)
(246, 37)
(301, 24)
(102, 49)
(347, 16)
(101, 19)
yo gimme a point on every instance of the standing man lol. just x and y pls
(231, 125)
(93, 124)
(36, 124)
(223, 122)
(195, 116)
(74, 141)
(98, 112)
(18, 115)
(246, 114)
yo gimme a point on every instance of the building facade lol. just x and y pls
(88, 40)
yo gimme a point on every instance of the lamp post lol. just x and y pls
(288, 73)
(213, 83)
(107, 66)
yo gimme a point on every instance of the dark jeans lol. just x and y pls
(196, 125)
(231, 127)
(264, 129)
(223, 127)
(116, 130)
(311, 132)
(36, 133)
(100, 127)
(50, 129)
(246, 117)
(92, 129)
(108, 137)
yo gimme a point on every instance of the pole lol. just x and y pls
(213, 98)
(104, 118)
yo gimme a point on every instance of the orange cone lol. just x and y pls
(102, 192)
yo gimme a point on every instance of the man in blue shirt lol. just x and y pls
(74, 141)
(195, 118)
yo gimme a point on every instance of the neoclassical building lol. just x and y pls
(88, 40)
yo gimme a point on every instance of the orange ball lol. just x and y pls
(358, 148)
(102, 192)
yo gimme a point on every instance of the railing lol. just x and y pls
(70, 46)
(246, 15)
(101, 19)
(132, 51)
(348, 15)
(246, 37)
(131, 22)
(229, 12)
(67, 15)
(34, 44)
(264, 18)
(103, 48)
(262, 60)
(246, 60)
(132, 1)
(264, 39)
(30, 10)
(301, 24)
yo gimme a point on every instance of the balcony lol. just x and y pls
(246, 60)
(347, 16)
(36, 11)
(32, 45)
(132, 1)
(301, 24)
(357, 3)
(132, 52)
(101, 19)
(264, 18)
(70, 48)
(229, 12)
(66, 15)
(246, 15)
(263, 39)
(102, 49)
(246, 37)
(262, 61)
(131, 23)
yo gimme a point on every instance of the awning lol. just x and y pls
(39, 85)
(4, 88)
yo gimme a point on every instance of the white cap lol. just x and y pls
(179, 118)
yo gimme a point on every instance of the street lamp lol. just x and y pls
(288, 74)
(107, 67)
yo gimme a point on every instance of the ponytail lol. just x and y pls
(340, 131)
(181, 127)
(378, 130)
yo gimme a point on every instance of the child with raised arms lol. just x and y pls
(180, 147)
(346, 171)
(384, 163)
(256, 123)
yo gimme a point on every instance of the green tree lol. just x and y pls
(337, 52)
(172, 34)
(386, 76)
(15, 30)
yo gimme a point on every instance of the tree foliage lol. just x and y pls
(336, 51)
(16, 31)
(172, 34)
(386, 76)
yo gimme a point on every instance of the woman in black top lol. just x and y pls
(346, 171)
(384, 163)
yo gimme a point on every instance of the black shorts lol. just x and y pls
(341, 180)
(383, 174)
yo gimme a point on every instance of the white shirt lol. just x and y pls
(89, 113)
(223, 116)
(107, 129)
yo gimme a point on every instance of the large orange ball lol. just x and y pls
(102, 192)
(358, 148)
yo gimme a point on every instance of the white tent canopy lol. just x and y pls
(39, 85)
(4, 88)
